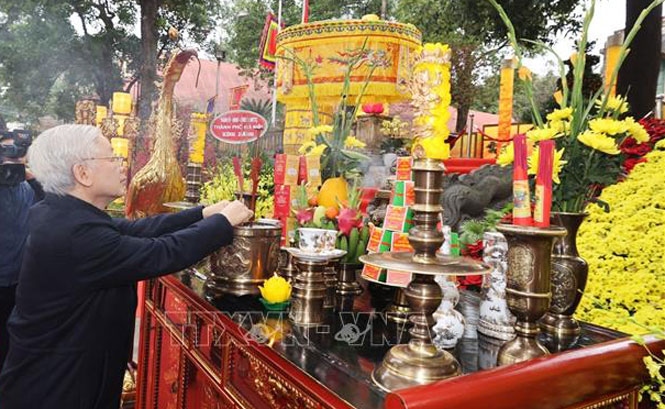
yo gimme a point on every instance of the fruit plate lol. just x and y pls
(309, 256)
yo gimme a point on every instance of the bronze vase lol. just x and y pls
(528, 287)
(569, 277)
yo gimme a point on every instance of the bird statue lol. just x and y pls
(160, 180)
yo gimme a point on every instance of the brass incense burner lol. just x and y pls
(420, 362)
(240, 268)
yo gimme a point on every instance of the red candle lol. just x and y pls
(541, 213)
(521, 194)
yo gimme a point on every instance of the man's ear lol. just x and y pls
(82, 174)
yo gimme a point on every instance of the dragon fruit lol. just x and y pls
(348, 219)
(304, 216)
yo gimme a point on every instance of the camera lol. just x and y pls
(12, 171)
(18, 148)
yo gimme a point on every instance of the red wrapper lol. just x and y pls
(541, 213)
(521, 194)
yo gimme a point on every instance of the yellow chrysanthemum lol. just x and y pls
(636, 130)
(534, 160)
(353, 142)
(542, 134)
(608, 126)
(560, 114)
(524, 73)
(317, 150)
(599, 142)
(560, 126)
(305, 147)
(321, 129)
(623, 249)
(615, 104)
(507, 155)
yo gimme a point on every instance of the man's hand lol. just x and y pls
(215, 208)
(237, 213)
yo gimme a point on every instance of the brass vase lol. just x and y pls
(569, 277)
(528, 287)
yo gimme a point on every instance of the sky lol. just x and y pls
(609, 16)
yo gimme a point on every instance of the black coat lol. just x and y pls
(71, 330)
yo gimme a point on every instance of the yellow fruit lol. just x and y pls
(332, 191)
(275, 289)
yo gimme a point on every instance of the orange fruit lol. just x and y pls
(313, 201)
(331, 212)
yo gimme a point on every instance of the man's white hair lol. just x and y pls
(54, 153)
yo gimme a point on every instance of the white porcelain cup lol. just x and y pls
(317, 240)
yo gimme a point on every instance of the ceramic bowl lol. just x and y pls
(317, 240)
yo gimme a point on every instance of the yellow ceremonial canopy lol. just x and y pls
(325, 44)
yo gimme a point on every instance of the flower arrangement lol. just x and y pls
(397, 139)
(334, 143)
(588, 132)
(223, 186)
(623, 249)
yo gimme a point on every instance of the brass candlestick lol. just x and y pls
(398, 310)
(330, 276)
(528, 287)
(347, 283)
(419, 362)
(288, 270)
(309, 293)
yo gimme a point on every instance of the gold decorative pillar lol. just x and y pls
(612, 50)
(101, 114)
(506, 100)
(197, 140)
(86, 112)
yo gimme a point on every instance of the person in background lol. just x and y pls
(71, 329)
(18, 191)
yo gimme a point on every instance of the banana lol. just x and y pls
(359, 251)
(344, 245)
(354, 236)
(364, 234)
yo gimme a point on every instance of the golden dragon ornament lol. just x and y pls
(160, 180)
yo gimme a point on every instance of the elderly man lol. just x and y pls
(71, 329)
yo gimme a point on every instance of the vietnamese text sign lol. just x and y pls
(238, 127)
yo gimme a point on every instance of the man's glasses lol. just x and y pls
(117, 159)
